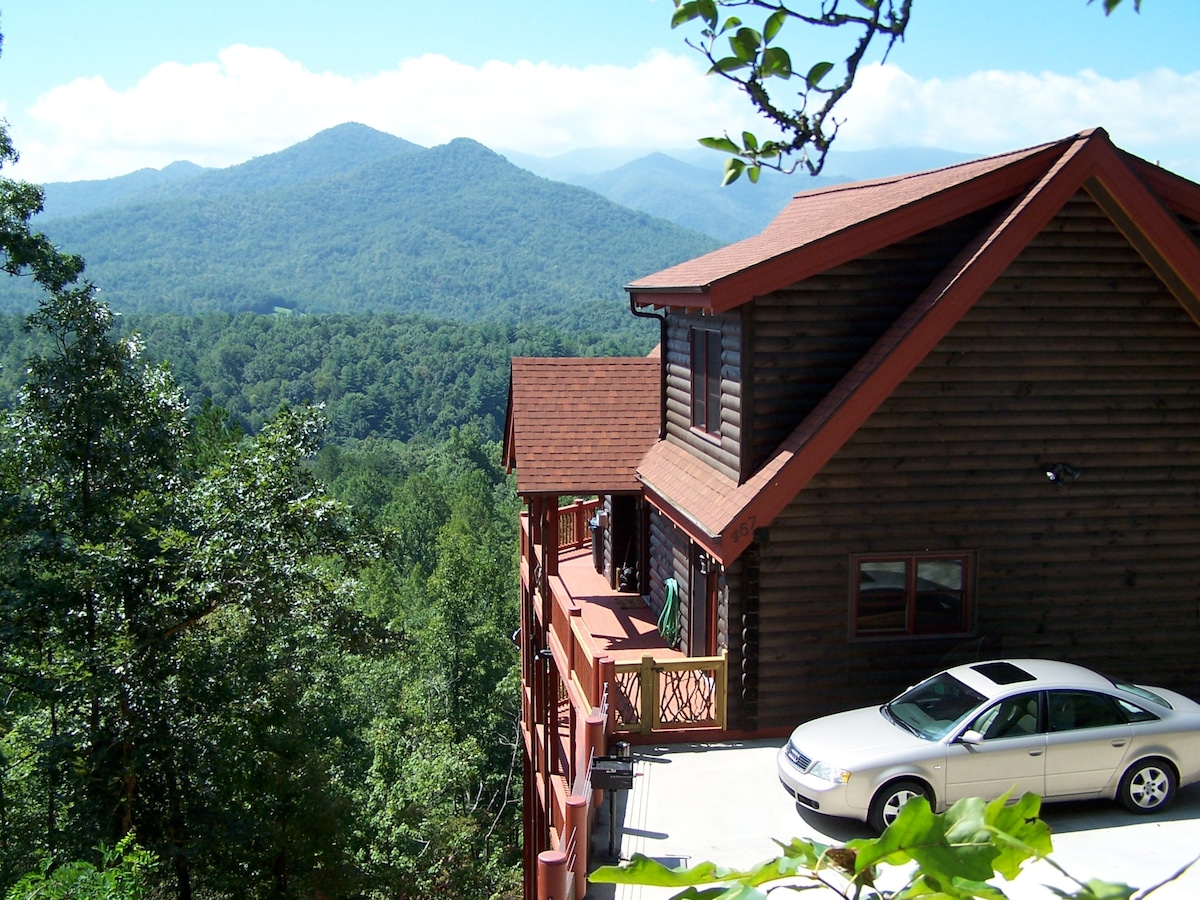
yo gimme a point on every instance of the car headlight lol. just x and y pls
(826, 772)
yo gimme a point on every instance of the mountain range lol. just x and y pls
(354, 219)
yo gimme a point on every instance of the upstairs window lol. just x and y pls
(706, 380)
(910, 594)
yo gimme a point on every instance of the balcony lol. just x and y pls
(606, 643)
(595, 670)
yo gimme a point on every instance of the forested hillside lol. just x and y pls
(455, 231)
(285, 670)
(378, 376)
(258, 571)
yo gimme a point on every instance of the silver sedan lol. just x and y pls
(1059, 730)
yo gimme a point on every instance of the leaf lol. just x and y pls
(694, 9)
(643, 870)
(921, 836)
(745, 43)
(749, 141)
(817, 72)
(776, 63)
(773, 24)
(752, 172)
(724, 144)
(733, 170)
(731, 22)
(1019, 832)
(684, 13)
(690, 893)
(728, 64)
(1098, 890)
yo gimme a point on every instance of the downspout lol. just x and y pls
(662, 367)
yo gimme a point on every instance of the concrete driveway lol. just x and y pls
(723, 802)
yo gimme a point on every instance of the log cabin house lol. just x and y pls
(921, 419)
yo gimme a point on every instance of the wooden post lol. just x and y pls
(648, 712)
(552, 875)
(577, 824)
(594, 743)
(606, 669)
(550, 560)
(721, 679)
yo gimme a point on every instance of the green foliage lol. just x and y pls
(123, 874)
(1110, 5)
(755, 57)
(455, 231)
(189, 648)
(954, 855)
(375, 376)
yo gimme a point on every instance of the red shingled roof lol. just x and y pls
(722, 515)
(580, 426)
(808, 235)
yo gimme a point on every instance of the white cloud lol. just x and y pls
(1151, 115)
(254, 101)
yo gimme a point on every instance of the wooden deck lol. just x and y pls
(621, 624)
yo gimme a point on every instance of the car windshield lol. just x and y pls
(932, 708)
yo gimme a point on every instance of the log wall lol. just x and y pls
(669, 558)
(807, 336)
(1077, 354)
(723, 452)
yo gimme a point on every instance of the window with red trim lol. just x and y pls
(910, 594)
(706, 380)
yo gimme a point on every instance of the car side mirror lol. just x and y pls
(970, 736)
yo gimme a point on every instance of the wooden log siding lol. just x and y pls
(724, 454)
(669, 558)
(1105, 570)
(806, 337)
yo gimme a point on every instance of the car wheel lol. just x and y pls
(891, 797)
(1147, 786)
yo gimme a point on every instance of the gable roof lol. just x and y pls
(580, 425)
(722, 515)
(823, 228)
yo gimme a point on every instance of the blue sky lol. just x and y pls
(92, 90)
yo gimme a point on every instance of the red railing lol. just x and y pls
(573, 531)
(594, 699)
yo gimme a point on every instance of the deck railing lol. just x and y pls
(573, 521)
(597, 698)
(669, 694)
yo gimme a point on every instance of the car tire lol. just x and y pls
(1147, 786)
(891, 797)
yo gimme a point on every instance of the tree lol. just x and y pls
(123, 874)
(170, 597)
(22, 250)
(756, 61)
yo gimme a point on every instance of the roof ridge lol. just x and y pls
(908, 176)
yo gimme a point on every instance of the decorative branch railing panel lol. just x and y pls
(670, 694)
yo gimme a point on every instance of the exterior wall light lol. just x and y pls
(1059, 473)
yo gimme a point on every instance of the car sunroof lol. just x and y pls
(1003, 672)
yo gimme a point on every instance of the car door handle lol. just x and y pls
(1037, 752)
(1120, 743)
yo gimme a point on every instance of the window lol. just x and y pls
(911, 594)
(706, 380)
(1013, 717)
(1071, 710)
